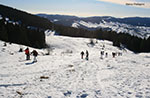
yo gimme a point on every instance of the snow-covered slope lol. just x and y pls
(63, 74)
(140, 31)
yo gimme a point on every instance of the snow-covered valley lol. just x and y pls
(63, 74)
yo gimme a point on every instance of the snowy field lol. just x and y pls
(63, 74)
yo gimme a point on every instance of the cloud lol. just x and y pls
(135, 3)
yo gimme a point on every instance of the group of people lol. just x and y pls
(102, 54)
(114, 54)
(27, 53)
(87, 55)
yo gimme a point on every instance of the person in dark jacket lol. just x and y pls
(113, 54)
(35, 53)
(27, 52)
(87, 55)
(106, 54)
(82, 54)
(102, 54)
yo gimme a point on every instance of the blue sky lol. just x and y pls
(83, 8)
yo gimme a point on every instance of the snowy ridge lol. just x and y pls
(75, 25)
(139, 31)
(63, 74)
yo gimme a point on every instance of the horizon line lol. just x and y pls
(88, 15)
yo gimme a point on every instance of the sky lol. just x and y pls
(84, 8)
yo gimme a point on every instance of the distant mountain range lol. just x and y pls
(137, 26)
(21, 27)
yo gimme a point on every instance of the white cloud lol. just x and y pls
(135, 3)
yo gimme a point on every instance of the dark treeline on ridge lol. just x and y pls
(22, 28)
(29, 31)
(21, 35)
(24, 17)
(133, 43)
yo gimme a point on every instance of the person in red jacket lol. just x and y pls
(27, 52)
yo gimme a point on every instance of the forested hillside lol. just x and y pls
(24, 17)
(14, 32)
(23, 28)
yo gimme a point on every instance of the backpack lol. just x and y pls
(35, 53)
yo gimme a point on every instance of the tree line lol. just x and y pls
(19, 34)
(29, 30)
(133, 43)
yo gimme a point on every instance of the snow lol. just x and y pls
(7, 19)
(17, 23)
(75, 25)
(55, 20)
(139, 31)
(49, 32)
(12, 22)
(63, 74)
(89, 24)
(1, 17)
(32, 27)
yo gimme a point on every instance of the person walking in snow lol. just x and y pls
(35, 53)
(106, 54)
(102, 54)
(113, 54)
(87, 55)
(27, 52)
(82, 54)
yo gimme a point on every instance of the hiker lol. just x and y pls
(20, 50)
(5, 44)
(119, 54)
(113, 54)
(27, 52)
(102, 54)
(82, 54)
(87, 55)
(35, 53)
(103, 46)
(106, 54)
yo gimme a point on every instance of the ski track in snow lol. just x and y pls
(69, 76)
